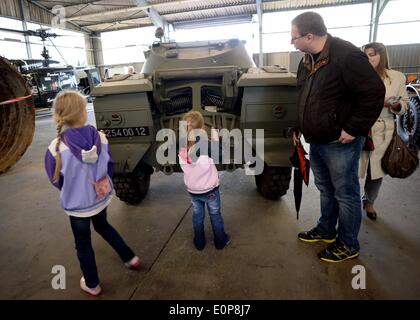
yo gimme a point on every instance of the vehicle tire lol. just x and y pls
(132, 187)
(402, 121)
(273, 182)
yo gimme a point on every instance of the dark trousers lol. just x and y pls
(85, 253)
(371, 188)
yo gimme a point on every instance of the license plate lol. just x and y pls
(126, 132)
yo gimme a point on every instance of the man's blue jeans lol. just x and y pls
(85, 253)
(212, 199)
(335, 166)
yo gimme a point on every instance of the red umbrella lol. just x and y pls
(304, 164)
(300, 173)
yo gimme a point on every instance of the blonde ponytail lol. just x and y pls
(69, 109)
(57, 152)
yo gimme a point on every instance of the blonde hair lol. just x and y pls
(379, 48)
(196, 120)
(69, 110)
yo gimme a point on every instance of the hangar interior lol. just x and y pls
(93, 44)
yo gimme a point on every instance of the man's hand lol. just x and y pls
(345, 137)
(296, 137)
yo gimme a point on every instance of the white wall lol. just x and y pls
(402, 33)
(12, 49)
(126, 46)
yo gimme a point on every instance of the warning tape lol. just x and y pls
(15, 100)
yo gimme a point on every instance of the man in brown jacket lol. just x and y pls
(340, 98)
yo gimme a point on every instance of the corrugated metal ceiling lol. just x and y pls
(108, 15)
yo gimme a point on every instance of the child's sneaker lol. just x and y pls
(133, 264)
(199, 243)
(199, 237)
(227, 242)
(92, 291)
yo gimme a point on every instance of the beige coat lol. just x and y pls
(383, 128)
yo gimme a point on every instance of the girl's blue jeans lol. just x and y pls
(212, 200)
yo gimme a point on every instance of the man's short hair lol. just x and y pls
(310, 22)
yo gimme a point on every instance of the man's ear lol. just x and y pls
(310, 36)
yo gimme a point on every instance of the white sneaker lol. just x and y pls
(133, 264)
(92, 291)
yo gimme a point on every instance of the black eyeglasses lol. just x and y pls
(295, 38)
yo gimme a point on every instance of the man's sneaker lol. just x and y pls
(337, 252)
(314, 235)
(92, 291)
(133, 264)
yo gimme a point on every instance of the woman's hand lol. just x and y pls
(393, 103)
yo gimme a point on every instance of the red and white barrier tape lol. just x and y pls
(15, 100)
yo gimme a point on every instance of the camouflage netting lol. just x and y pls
(17, 119)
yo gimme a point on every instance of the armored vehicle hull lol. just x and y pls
(216, 78)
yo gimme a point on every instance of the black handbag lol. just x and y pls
(400, 159)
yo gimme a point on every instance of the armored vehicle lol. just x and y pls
(216, 78)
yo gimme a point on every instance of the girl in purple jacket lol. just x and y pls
(202, 181)
(79, 164)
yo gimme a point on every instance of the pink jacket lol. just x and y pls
(201, 176)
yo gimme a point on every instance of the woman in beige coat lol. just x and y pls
(382, 130)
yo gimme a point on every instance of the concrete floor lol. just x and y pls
(264, 261)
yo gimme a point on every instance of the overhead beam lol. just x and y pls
(143, 6)
(178, 3)
(48, 10)
(66, 4)
(103, 15)
(151, 12)
(88, 24)
(142, 20)
(197, 9)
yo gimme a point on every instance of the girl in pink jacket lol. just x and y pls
(202, 181)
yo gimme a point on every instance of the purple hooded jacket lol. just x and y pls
(85, 158)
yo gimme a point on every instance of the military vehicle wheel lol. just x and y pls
(132, 187)
(273, 182)
(402, 122)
